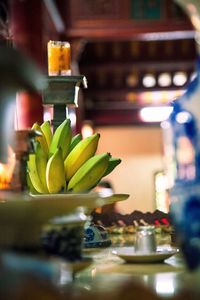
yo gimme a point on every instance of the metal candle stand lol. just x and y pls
(62, 92)
(23, 146)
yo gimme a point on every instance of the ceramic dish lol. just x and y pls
(100, 244)
(96, 236)
(128, 254)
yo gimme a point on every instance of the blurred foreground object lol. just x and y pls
(182, 156)
(15, 285)
(17, 74)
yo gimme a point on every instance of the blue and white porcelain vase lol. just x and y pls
(181, 137)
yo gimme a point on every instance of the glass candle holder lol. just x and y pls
(59, 58)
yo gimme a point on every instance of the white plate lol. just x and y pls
(128, 254)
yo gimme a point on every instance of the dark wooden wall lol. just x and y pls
(123, 41)
(115, 71)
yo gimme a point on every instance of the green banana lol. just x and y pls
(89, 174)
(34, 176)
(61, 138)
(75, 140)
(85, 149)
(46, 129)
(113, 162)
(41, 164)
(55, 173)
(41, 138)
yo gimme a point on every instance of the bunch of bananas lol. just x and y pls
(65, 163)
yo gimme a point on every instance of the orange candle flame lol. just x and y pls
(7, 170)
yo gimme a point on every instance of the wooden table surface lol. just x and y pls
(108, 272)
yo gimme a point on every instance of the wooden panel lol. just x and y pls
(115, 72)
(122, 19)
(147, 10)
(109, 117)
(98, 10)
(106, 53)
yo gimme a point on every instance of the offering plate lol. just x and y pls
(23, 215)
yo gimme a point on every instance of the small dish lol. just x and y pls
(128, 254)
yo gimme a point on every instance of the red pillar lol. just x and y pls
(26, 31)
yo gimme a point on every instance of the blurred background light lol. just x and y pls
(179, 78)
(149, 80)
(193, 75)
(132, 80)
(71, 114)
(183, 117)
(155, 114)
(164, 79)
(87, 128)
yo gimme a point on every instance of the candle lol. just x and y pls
(58, 58)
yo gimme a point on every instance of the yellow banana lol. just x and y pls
(85, 149)
(30, 186)
(61, 138)
(89, 174)
(42, 138)
(33, 174)
(46, 129)
(55, 173)
(41, 164)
